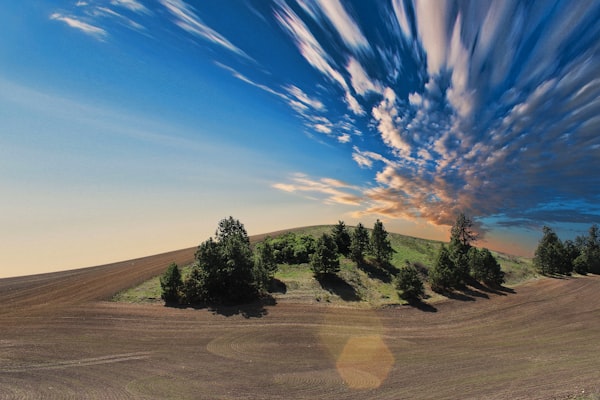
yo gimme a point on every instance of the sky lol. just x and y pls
(131, 127)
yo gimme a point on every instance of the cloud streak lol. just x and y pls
(82, 26)
(186, 19)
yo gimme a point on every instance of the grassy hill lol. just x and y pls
(367, 286)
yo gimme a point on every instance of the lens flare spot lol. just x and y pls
(365, 362)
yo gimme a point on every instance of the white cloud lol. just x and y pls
(89, 29)
(304, 99)
(132, 5)
(402, 18)
(322, 128)
(308, 45)
(330, 191)
(386, 114)
(353, 104)
(313, 52)
(247, 80)
(432, 23)
(344, 24)
(189, 21)
(361, 82)
(344, 138)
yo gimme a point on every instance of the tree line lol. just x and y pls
(556, 257)
(229, 270)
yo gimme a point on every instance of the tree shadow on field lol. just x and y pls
(255, 309)
(277, 286)
(381, 271)
(421, 305)
(336, 285)
(474, 289)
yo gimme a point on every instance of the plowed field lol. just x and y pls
(61, 338)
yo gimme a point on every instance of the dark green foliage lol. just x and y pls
(171, 284)
(225, 270)
(381, 248)
(265, 260)
(359, 243)
(325, 261)
(549, 256)
(582, 255)
(461, 238)
(409, 283)
(484, 267)
(342, 238)
(444, 274)
(231, 228)
(194, 291)
(571, 252)
(580, 265)
(592, 250)
(293, 249)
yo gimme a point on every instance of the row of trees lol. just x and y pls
(356, 245)
(553, 256)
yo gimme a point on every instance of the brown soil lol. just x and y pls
(61, 338)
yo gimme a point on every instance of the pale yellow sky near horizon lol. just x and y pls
(94, 243)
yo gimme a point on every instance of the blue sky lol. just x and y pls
(131, 127)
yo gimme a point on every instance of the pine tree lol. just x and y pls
(461, 238)
(484, 267)
(444, 274)
(359, 244)
(549, 256)
(409, 283)
(324, 260)
(342, 238)
(171, 284)
(381, 247)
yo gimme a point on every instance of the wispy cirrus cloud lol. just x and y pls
(330, 191)
(186, 19)
(88, 29)
(314, 53)
(344, 24)
(133, 5)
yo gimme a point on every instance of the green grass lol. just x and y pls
(368, 286)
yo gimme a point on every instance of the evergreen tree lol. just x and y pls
(409, 284)
(265, 258)
(342, 238)
(549, 256)
(359, 244)
(171, 284)
(444, 275)
(193, 289)
(227, 264)
(588, 259)
(324, 260)
(461, 238)
(381, 247)
(484, 267)
(593, 250)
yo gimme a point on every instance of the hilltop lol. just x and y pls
(369, 285)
